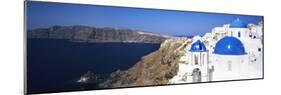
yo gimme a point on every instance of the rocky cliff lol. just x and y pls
(154, 69)
(93, 34)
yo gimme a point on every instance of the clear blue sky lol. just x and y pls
(43, 15)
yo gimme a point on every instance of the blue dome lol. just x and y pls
(229, 46)
(198, 46)
(238, 24)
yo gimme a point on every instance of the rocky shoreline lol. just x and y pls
(157, 68)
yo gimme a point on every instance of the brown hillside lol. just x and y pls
(154, 69)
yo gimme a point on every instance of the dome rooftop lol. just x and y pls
(198, 46)
(229, 46)
(238, 24)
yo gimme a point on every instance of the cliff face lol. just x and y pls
(92, 34)
(154, 69)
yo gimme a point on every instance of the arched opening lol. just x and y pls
(229, 67)
(196, 59)
(239, 34)
(196, 75)
(211, 71)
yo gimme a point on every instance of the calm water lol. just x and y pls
(55, 65)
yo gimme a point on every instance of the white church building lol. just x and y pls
(231, 52)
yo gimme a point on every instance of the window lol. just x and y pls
(239, 34)
(229, 67)
(196, 60)
(259, 49)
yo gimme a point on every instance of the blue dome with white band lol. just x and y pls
(229, 46)
(198, 46)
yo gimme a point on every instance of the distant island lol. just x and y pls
(78, 33)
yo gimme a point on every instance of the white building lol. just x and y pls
(231, 52)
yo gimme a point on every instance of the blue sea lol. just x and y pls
(55, 65)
